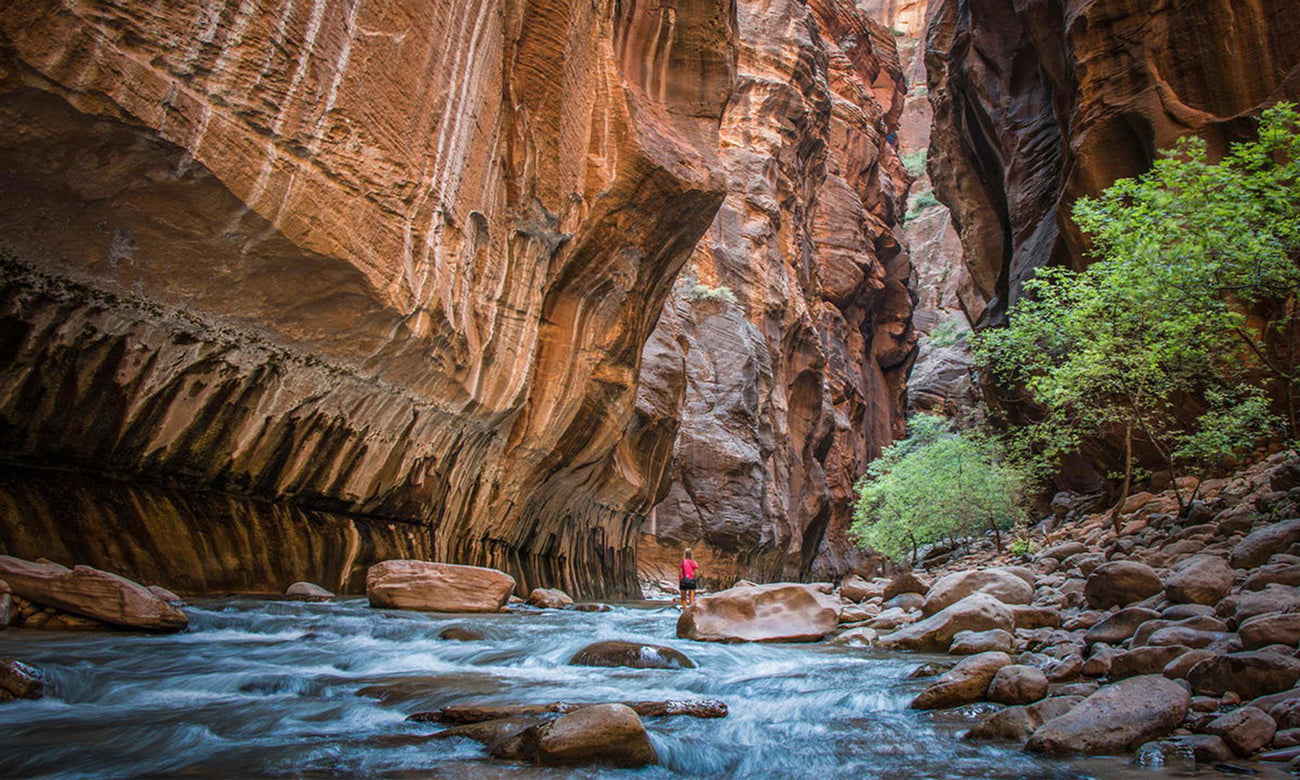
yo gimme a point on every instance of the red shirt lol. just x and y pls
(688, 569)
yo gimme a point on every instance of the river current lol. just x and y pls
(264, 688)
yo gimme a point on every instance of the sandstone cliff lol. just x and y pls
(1037, 103)
(784, 348)
(293, 286)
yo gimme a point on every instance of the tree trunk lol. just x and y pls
(1128, 477)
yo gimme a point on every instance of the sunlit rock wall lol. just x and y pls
(367, 263)
(777, 370)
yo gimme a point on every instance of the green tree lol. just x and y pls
(1183, 254)
(936, 484)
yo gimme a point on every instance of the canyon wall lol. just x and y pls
(370, 275)
(777, 369)
(1037, 102)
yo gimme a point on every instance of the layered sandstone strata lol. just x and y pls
(1037, 103)
(777, 370)
(376, 268)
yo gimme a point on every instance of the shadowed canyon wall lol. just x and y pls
(777, 369)
(1037, 102)
(293, 286)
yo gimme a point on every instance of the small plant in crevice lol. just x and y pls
(947, 333)
(924, 201)
(703, 292)
(914, 162)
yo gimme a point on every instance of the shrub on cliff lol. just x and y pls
(936, 484)
(1186, 255)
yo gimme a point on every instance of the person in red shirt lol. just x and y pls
(688, 569)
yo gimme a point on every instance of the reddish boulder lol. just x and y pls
(780, 612)
(437, 587)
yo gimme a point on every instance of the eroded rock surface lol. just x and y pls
(383, 260)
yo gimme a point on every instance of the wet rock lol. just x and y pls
(781, 612)
(1256, 548)
(478, 713)
(309, 591)
(857, 637)
(1270, 629)
(978, 612)
(1178, 668)
(492, 733)
(1201, 579)
(1246, 730)
(964, 683)
(1285, 738)
(599, 734)
(1017, 684)
(460, 634)
(972, 642)
(1117, 718)
(20, 681)
(1120, 583)
(91, 593)
(167, 596)
(931, 669)
(592, 607)
(1005, 586)
(437, 587)
(1200, 748)
(1017, 723)
(1248, 674)
(549, 598)
(1286, 713)
(633, 654)
(1119, 626)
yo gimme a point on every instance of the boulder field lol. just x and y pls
(1177, 638)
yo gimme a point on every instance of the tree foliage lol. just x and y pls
(936, 484)
(1190, 259)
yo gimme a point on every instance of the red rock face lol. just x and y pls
(388, 263)
(777, 368)
(1037, 103)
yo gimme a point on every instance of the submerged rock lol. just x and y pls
(461, 714)
(309, 591)
(91, 593)
(437, 587)
(460, 634)
(598, 734)
(633, 654)
(781, 612)
(20, 681)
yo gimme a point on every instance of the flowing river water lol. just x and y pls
(264, 688)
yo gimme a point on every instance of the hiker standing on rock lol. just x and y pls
(687, 584)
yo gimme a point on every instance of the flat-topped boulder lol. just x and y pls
(437, 587)
(780, 612)
(977, 612)
(1116, 719)
(91, 593)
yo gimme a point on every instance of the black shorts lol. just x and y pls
(687, 583)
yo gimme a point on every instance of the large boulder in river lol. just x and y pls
(91, 593)
(780, 612)
(600, 734)
(999, 583)
(549, 598)
(437, 587)
(1120, 583)
(978, 612)
(1258, 547)
(1201, 579)
(964, 683)
(1116, 719)
(632, 654)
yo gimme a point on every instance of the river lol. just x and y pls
(289, 689)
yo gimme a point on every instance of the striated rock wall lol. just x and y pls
(1037, 102)
(777, 369)
(365, 264)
